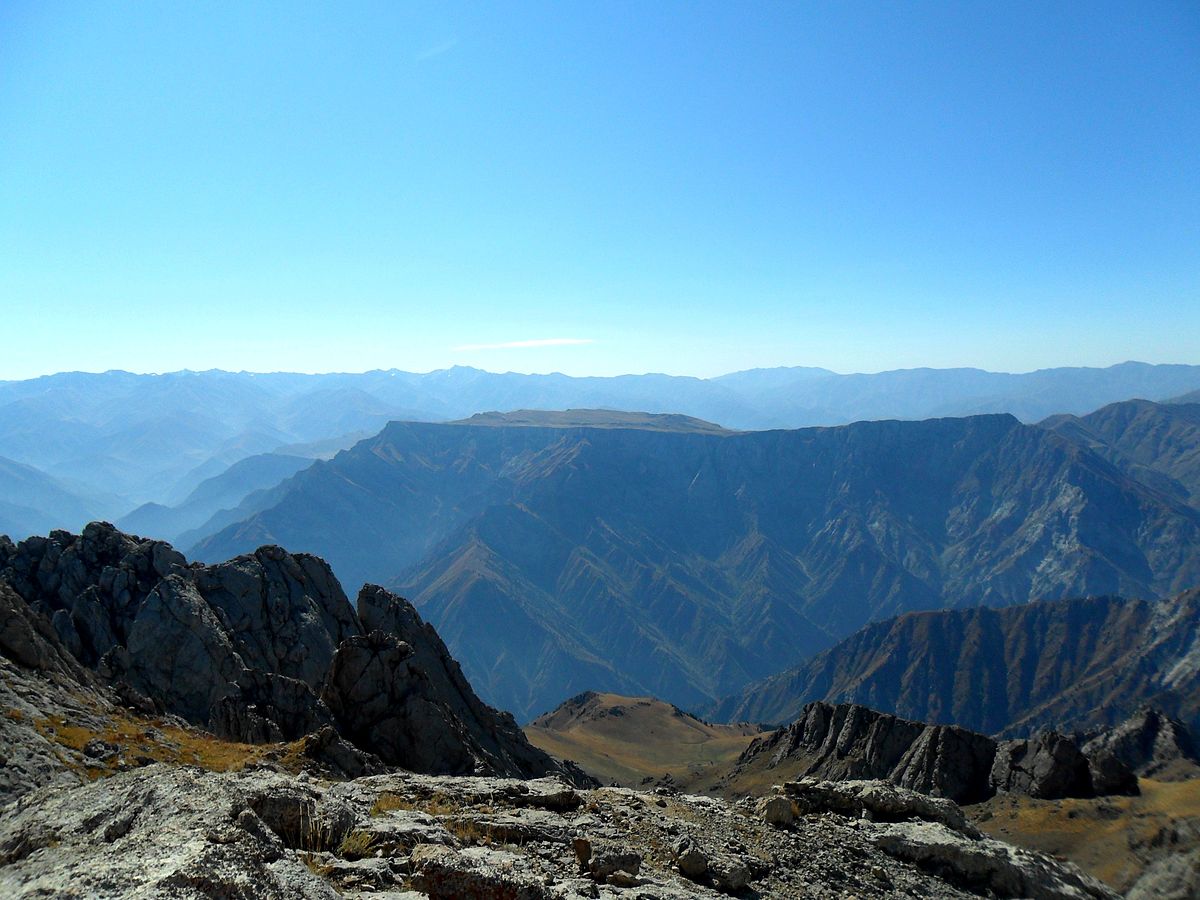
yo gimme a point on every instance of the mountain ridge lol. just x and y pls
(686, 562)
(1068, 664)
(143, 438)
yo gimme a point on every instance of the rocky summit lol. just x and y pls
(265, 647)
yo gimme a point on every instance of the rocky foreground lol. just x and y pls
(182, 832)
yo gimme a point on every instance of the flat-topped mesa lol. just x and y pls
(263, 647)
(848, 741)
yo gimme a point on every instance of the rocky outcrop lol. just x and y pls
(180, 832)
(1150, 743)
(848, 741)
(1175, 877)
(397, 690)
(1048, 767)
(262, 648)
(30, 641)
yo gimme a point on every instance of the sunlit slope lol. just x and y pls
(628, 739)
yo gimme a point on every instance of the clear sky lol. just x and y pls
(691, 188)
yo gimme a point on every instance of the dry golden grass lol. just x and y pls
(140, 740)
(647, 739)
(1101, 835)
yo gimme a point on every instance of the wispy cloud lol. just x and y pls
(519, 345)
(437, 50)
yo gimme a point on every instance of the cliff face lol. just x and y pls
(853, 742)
(688, 564)
(264, 647)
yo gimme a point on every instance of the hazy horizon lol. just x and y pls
(187, 371)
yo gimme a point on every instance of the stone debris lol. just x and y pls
(182, 832)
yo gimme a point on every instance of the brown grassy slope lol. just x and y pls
(628, 739)
(137, 741)
(1112, 838)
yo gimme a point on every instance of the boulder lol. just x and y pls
(776, 811)
(987, 866)
(877, 801)
(1047, 766)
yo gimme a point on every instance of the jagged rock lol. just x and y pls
(248, 649)
(1048, 766)
(286, 613)
(1109, 775)
(399, 689)
(948, 761)
(30, 641)
(338, 757)
(1150, 742)
(982, 864)
(850, 741)
(199, 667)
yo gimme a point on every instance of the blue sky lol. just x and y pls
(692, 188)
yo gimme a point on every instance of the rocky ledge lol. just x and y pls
(182, 832)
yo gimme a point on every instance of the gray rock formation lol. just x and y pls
(182, 833)
(1175, 877)
(398, 691)
(1150, 743)
(848, 741)
(264, 647)
(1048, 766)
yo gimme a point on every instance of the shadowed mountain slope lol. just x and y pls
(687, 564)
(1068, 664)
(220, 492)
(1158, 443)
(32, 501)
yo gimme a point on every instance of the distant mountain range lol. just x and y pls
(116, 441)
(686, 562)
(1069, 664)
